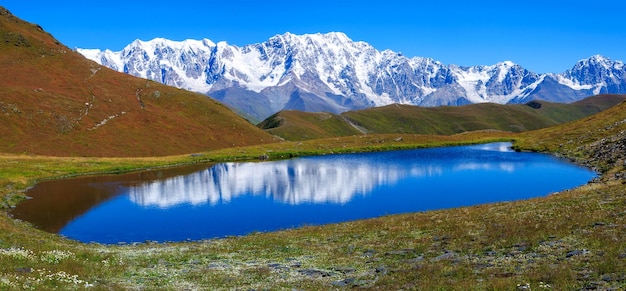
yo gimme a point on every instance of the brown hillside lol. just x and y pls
(53, 101)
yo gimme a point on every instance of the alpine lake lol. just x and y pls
(230, 199)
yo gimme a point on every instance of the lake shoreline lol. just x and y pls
(485, 245)
(273, 195)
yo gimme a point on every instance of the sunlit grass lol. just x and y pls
(564, 241)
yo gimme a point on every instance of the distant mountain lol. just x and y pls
(330, 72)
(53, 101)
(407, 119)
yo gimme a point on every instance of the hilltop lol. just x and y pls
(442, 120)
(53, 101)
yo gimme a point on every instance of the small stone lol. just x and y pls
(343, 283)
(314, 273)
(576, 253)
(279, 267)
(373, 260)
(24, 270)
(345, 270)
(218, 266)
(368, 253)
(446, 256)
(296, 265)
(382, 270)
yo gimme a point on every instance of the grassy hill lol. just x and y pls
(598, 141)
(295, 125)
(53, 101)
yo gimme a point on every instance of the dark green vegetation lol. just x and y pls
(296, 125)
(570, 240)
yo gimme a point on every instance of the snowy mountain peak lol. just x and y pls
(331, 72)
(597, 73)
(506, 64)
(598, 59)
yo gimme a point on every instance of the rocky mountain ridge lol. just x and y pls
(330, 72)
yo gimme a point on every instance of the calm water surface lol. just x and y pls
(240, 198)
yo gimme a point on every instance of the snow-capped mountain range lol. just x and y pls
(330, 72)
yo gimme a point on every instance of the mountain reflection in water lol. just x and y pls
(297, 181)
(238, 198)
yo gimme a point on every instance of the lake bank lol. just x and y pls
(237, 198)
(499, 246)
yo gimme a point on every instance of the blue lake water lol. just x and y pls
(240, 198)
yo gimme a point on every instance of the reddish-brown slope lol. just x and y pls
(53, 101)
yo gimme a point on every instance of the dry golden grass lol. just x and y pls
(55, 102)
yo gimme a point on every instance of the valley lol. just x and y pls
(62, 115)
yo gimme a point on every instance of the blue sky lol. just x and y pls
(542, 36)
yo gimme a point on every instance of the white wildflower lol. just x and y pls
(4, 281)
(17, 253)
(544, 285)
(55, 256)
(62, 277)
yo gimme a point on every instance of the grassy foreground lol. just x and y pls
(570, 240)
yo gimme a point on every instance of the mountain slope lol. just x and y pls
(598, 141)
(295, 125)
(330, 72)
(53, 101)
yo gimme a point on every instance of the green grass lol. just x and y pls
(297, 125)
(548, 243)
(445, 120)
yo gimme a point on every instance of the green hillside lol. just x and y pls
(445, 120)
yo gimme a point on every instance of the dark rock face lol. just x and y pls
(534, 104)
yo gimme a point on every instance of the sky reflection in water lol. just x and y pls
(332, 179)
(239, 198)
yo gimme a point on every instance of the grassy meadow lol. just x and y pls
(569, 240)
